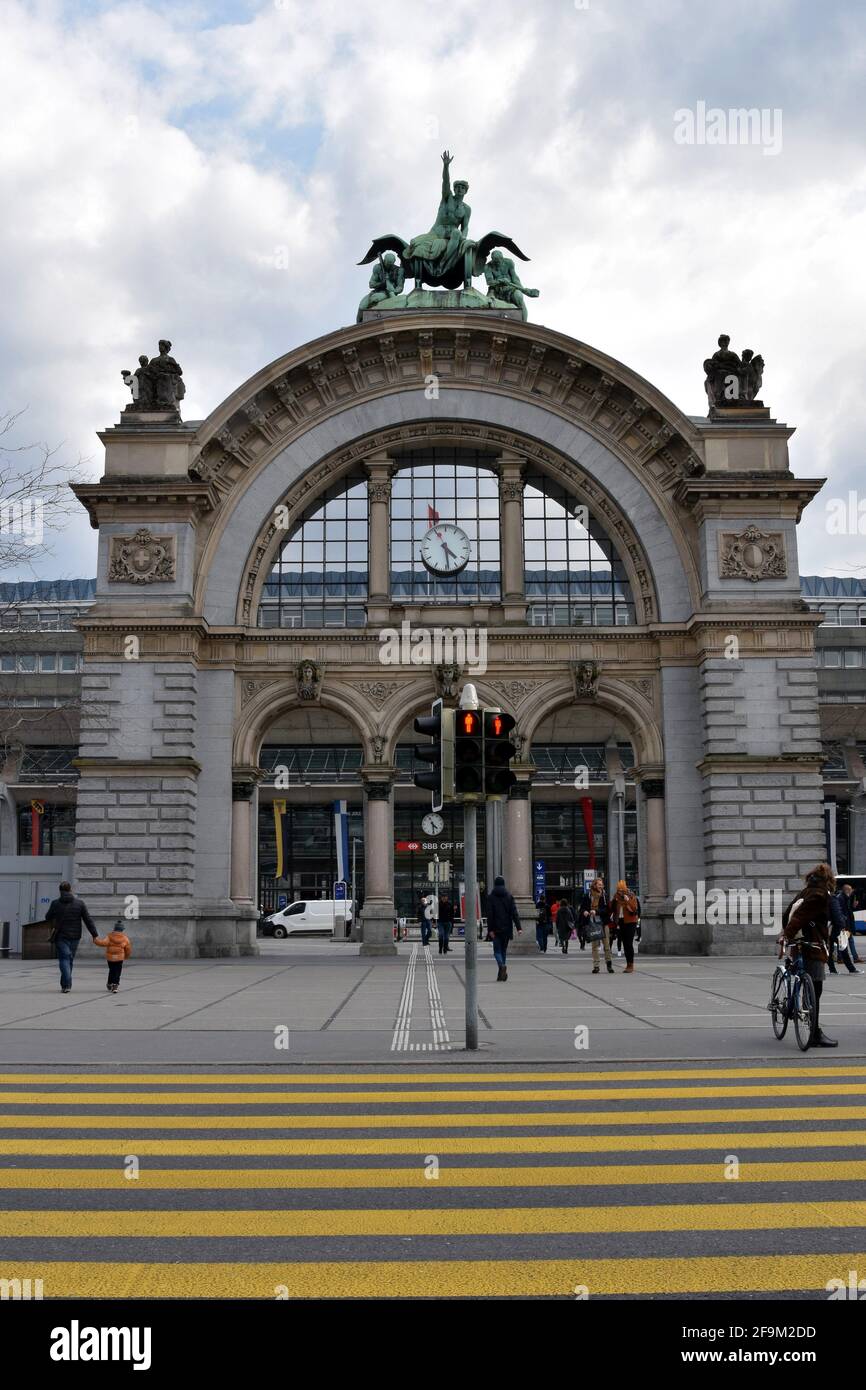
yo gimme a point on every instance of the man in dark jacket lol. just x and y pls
(66, 914)
(846, 904)
(502, 918)
(839, 924)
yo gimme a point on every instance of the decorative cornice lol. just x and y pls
(714, 494)
(760, 762)
(125, 499)
(133, 767)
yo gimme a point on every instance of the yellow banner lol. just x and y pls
(279, 812)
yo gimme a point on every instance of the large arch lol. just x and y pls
(233, 564)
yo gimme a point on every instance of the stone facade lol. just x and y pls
(715, 685)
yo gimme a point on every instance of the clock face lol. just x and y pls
(433, 824)
(445, 548)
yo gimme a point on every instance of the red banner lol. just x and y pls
(586, 809)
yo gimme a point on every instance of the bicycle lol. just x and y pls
(792, 996)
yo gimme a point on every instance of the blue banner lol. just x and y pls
(341, 838)
(540, 878)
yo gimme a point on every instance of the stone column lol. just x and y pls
(494, 841)
(379, 468)
(378, 916)
(518, 861)
(511, 536)
(653, 793)
(243, 789)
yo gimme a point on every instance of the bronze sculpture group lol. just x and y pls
(445, 256)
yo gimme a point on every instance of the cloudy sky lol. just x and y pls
(212, 172)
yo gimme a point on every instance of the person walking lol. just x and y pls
(849, 904)
(564, 924)
(845, 899)
(806, 924)
(625, 912)
(502, 921)
(118, 948)
(839, 938)
(543, 924)
(444, 925)
(66, 914)
(424, 916)
(594, 912)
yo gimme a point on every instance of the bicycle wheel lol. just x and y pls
(778, 1004)
(804, 1016)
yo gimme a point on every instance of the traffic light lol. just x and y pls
(439, 726)
(468, 753)
(498, 752)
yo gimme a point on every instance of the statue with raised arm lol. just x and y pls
(503, 283)
(444, 256)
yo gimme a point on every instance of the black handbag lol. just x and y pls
(594, 928)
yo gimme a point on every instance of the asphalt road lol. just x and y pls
(734, 1181)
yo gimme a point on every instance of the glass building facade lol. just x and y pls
(444, 485)
(319, 578)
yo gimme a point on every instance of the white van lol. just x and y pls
(309, 916)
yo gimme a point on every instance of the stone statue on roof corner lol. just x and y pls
(730, 380)
(156, 385)
(446, 257)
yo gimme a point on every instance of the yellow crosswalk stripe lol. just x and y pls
(449, 1221)
(462, 1144)
(407, 1078)
(428, 1278)
(536, 1176)
(467, 1097)
(424, 1121)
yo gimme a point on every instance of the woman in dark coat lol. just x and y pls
(806, 922)
(444, 925)
(543, 924)
(564, 924)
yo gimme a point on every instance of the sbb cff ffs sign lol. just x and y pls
(470, 753)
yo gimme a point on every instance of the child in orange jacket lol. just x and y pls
(118, 948)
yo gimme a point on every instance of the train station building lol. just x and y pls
(265, 625)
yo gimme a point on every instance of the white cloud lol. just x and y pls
(156, 157)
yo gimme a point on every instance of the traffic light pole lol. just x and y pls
(470, 873)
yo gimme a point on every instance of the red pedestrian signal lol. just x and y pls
(498, 753)
(468, 753)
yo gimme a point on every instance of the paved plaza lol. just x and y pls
(308, 1001)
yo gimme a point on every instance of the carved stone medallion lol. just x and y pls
(752, 555)
(142, 559)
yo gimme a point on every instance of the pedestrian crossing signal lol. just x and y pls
(438, 725)
(468, 753)
(498, 752)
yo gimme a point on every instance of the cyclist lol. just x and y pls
(805, 925)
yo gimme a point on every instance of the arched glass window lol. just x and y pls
(319, 578)
(449, 485)
(574, 576)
